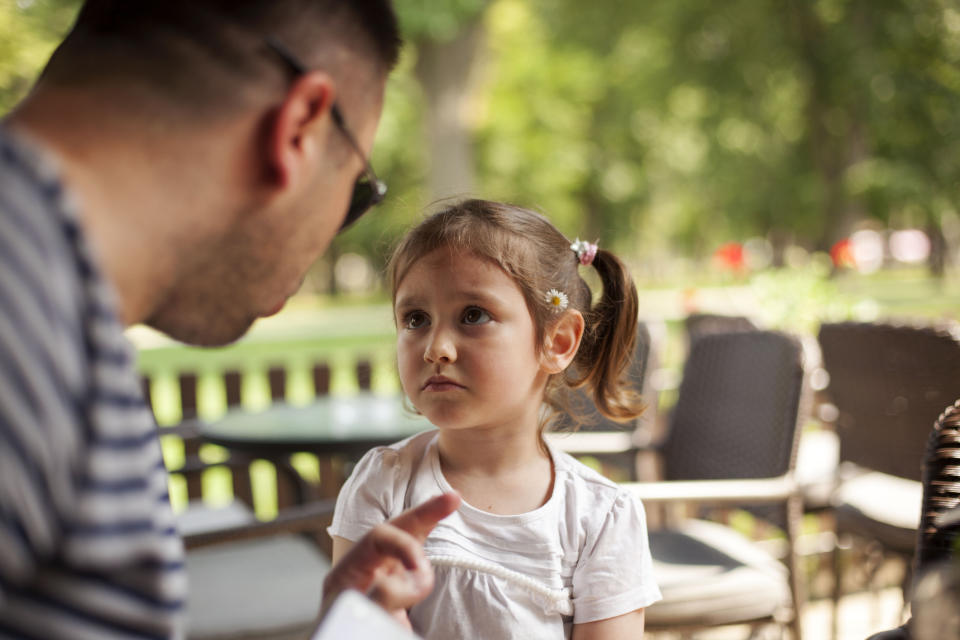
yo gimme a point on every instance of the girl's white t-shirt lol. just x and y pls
(582, 556)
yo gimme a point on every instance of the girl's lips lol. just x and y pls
(440, 383)
(441, 386)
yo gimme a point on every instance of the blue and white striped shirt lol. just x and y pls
(88, 544)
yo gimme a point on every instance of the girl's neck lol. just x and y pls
(503, 472)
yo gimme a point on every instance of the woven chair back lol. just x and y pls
(698, 325)
(738, 408)
(582, 413)
(941, 490)
(889, 383)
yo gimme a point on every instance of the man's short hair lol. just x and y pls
(192, 51)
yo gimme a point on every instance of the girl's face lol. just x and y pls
(466, 344)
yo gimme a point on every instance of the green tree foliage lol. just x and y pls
(29, 31)
(664, 126)
(688, 123)
(648, 123)
(439, 20)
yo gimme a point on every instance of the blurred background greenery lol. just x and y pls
(790, 160)
(665, 129)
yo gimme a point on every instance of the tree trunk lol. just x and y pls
(444, 71)
(937, 261)
(832, 153)
(779, 242)
(332, 254)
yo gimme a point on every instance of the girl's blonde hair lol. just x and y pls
(538, 257)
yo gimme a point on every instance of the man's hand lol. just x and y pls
(388, 563)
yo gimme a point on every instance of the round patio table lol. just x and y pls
(329, 426)
(335, 429)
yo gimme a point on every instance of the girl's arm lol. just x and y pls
(629, 626)
(340, 548)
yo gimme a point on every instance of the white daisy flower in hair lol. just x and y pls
(557, 300)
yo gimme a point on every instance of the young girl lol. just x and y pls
(491, 312)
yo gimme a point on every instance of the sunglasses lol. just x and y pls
(368, 190)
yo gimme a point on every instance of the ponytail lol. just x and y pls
(608, 342)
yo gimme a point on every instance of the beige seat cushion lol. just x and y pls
(711, 575)
(817, 458)
(880, 506)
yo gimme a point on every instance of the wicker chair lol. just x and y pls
(698, 325)
(938, 531)
(732, 442)
(889, 383)
(937, 535)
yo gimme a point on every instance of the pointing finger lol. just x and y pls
(420, 521)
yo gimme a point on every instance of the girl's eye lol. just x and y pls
(475, 315)
(414, 320)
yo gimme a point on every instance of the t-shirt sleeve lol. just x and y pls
(368, 497)
(30, 527)
(615, 573)
(41, 380)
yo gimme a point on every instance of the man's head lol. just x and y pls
(202, 58)
(189, 66)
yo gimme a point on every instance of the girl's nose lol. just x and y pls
(440, 348)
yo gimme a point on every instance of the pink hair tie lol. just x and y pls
(586, 251)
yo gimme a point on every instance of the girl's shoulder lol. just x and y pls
(378, 486)
(594, 512)
(389, 460)
(414, 445)
(586, 487)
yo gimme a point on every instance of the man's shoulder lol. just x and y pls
(42, 274)
(26, 167)
(38, 229)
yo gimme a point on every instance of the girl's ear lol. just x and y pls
(562, 341)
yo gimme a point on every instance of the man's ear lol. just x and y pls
(298, 125)
(562, 341)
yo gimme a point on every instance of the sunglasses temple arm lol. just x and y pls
(338, 120)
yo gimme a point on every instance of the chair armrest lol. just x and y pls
(600, 442)
(587, 442)
(734, 492)
(308, 517)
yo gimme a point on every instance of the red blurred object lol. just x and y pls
(730, 256)
(842, 254)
